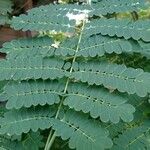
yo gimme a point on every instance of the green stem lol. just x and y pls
(47, 142)
(51, 138)
(51, 141)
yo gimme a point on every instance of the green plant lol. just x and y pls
(78, 79)
(5, 8)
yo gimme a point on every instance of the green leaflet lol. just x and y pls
(102, 7)
(22, 120)
(31, 93)
(100, 103)
(32, 68)
(49, 17)
(79, 129)
(36, 46)
(96, 45)
(121, 28)
(113, 76)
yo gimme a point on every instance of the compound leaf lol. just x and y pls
(32, 93)
(50, 17)
(31, 68)
(30, 47)
(79, 129)
(113, 76)
(23, 120)
(121, 28)
(102, 7)
(99, 102)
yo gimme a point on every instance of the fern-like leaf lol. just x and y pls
(113, 76)
(79, 129)
(102, 7)
(50, 17)
(96, 45)
(32, 93)
(99, 102)
(121, 28)
(21, 121)
(32, 68)
(28, 47)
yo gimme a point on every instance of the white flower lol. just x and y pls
(56, 44)
(82, 16)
